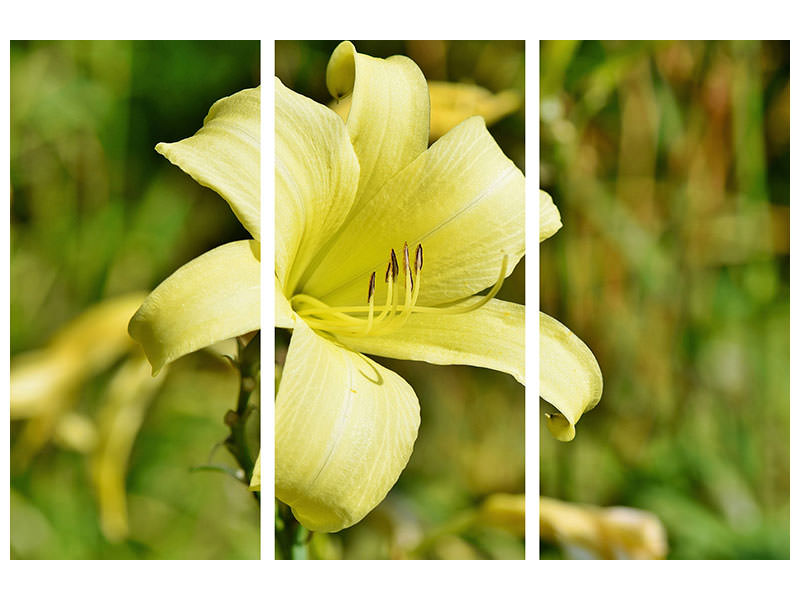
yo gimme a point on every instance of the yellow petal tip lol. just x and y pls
(341, 72)
(560, 427)
(549, 216)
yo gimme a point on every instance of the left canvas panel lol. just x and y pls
(135, 299)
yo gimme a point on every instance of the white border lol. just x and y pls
(499, 19)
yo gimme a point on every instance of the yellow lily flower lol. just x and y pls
(569, 376)
(352, 197)
(217, 295)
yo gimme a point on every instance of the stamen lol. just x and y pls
(345, 320)
(407, 269)
(371, 287)
(371, 300)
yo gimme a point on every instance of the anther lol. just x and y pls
(371, 287)
(388, 271)
(406, 261)
(418, 259)
(395, 267)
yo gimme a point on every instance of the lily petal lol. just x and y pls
(284, 315)
(549, 217)
(463, 200)
(211, 298)
(316, 176)
(492, 336)
(389, 115)
(344, 430)
(255, 480)
(225, 155)
(569, 376)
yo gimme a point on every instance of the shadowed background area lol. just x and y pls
(95, 213)
(669, 162)
(471, 439)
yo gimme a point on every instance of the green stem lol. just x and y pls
(291, 538)
(249, 365)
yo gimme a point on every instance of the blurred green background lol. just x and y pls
(471, 440)
(96, 212)
(669, 162)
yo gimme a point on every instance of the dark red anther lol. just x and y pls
(371, 287)
(395, 267)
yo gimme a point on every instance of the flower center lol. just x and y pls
(382, 319)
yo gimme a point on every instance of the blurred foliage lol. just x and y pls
(669, 162)
(95, 213)
(471, 441)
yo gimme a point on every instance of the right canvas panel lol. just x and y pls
(664, 290)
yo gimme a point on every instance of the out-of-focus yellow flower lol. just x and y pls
(217, 295)
(348, 195)
(610, 533)
(44, 382)
(569, 376)
(452, 103)
(85, 346)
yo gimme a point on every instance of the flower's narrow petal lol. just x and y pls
(225, 155)
(255, 480)
(569, 376)
(214, 297)
(127, 397)
(549, 217)
(463, 200)
(316, 176)
(344, 430)
(388, 116)
(492, 336)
